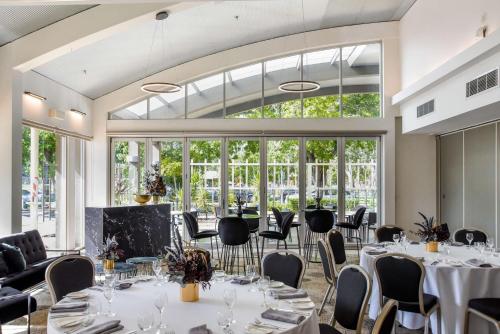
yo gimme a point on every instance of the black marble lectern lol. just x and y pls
(141, 230)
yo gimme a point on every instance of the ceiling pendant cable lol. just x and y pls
(159, 87)
(300, 86)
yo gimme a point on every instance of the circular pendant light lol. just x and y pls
(299, 86)
(159, 87)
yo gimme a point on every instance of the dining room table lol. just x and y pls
(452, 275)
(138, 300)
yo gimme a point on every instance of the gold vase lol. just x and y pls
(432, 246)
(156, 199)
(190, 292)
(108, 264)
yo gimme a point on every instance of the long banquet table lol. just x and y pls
(454, 286)
(181, 316)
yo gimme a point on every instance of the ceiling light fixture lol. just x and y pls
(36, 96)
(300, 86)
(79, 112)
(159, 87)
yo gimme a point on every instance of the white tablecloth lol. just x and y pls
(454, 286)
(182, 316)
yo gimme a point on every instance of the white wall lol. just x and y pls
(60, 98)
(433, 31)
(415, 177)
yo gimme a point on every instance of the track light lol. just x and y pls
(36, 96)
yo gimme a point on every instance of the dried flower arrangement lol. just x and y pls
(110, 250)
(431, 231)
(153, 181)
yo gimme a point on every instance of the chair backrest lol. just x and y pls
(461, 235)
(400, 277)
(68, 274)
(320, 221)
(385, 320)
(250, 211)
(326, 261)
(385, 233)
(284, 266)
(253, 223)
(353, 289)
(372, 219)
(358, 216)
(278, 217)
(233, 231)
(218, 212)
(30, 243)
(191, 223)
(335, 242)
(287, 223)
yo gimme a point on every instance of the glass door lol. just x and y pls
(205, 175)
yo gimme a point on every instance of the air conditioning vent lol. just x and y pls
(482, 83)
(425, 108)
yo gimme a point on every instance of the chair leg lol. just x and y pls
(426, 326)
(257, 249)
(29, 313)
(278, 244)
(262, 249)
(298, 239)
(325, 298)
(466, 322)
(438, 315)
(212, 246)
(286, 246)
(217, 245)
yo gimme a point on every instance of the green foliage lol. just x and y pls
(46, 152)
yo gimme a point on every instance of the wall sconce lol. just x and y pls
(79, 112)
(56, 114)
(36, 96)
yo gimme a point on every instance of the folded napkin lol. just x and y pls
(478, 263)
(243, 280)
(104, 328)
(123, 286)
(69, 307)
(457, 244)
(414, 243)
(200, 330)
(283, 316)
(288, 293)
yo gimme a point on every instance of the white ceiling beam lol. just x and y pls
(356, 52)
(162, 100)
(195, 87)
(82, 29)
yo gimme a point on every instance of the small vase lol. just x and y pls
(108, 264)
(156, 199)
(432, 246)
(190, 292)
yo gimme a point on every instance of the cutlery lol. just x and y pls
(257, 322)
(296, 312)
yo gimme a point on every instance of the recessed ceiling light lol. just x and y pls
(36, 96)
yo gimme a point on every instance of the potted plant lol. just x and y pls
(154, 184)
(432, 232)
(190, 268)
(110, 253)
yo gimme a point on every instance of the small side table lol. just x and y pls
(143, 264)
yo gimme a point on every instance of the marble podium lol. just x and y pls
(141, 230)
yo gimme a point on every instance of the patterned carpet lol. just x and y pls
(313, 283)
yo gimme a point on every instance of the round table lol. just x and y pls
(181, 316)
(122, 269)
(454, 286)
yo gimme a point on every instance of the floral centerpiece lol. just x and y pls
(110, 253)
(189, 267)
(432, 232)
(239, 202)
(317, 199)
(153, 182)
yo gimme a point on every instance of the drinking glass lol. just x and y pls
(109, 292)
(145, 321)
(469, 237)
(480, 247)
(161, 302)
(157, 271)
(219, 276)
(446, 247)
(250, 273)
(264, 282)
(490, 243)
(269, 300)
(224, 320)
(395, 237)
(230, 298)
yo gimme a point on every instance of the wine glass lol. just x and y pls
(264, 283)
(230, 298)
(161, 302)
(250, 273)
(109, 292)
(395, 238)
(269, 300)
(145, 321)
(480, 247)
(469, 237)
(157, 271)
(490, 243)
(224, 320)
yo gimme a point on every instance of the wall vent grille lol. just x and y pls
(482, 83)
(425, 108)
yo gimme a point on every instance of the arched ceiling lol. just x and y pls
(207, 28)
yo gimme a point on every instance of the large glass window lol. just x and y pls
(322, 172)
(244, 92)
(205, 97)
(244, 171)
(128, 170)
(283, 174)
(170, 155)
(164, 106)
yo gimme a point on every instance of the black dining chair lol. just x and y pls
(278, 216)
(385, 233)
(369, 225)
(401, 277)
(284, 266)
(69, 273)
(328, 271)
(461, 235)
(384, 324)
(234, 234)
(354, 226)
(319, 222)
(486, 308)
(353, 290)
(253, 225)
(278, 235)
(195, 234)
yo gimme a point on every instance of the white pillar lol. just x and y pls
(34, 184)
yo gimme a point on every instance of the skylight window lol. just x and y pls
(246, 72)
(282, 63)
(140, 109)
(171, 97)
(321, 57)
(206, 83)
